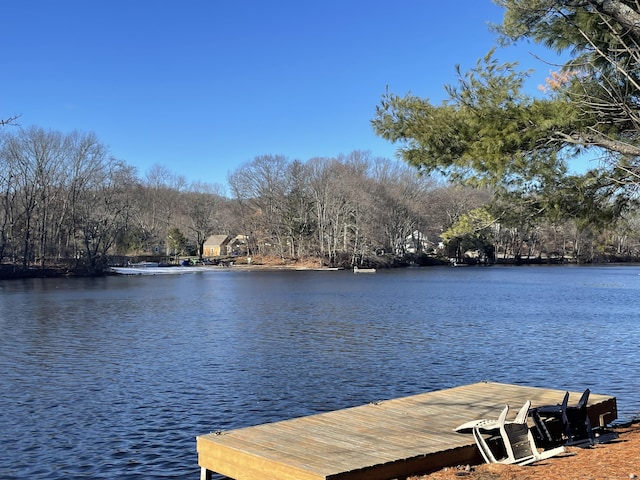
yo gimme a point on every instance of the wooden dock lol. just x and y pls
(379, 441)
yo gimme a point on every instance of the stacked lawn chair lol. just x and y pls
(564, 424)
(502, 441)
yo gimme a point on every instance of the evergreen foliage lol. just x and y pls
(489, 132)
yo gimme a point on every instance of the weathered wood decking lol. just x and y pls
(385, 440)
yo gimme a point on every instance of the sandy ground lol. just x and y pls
(616, 460)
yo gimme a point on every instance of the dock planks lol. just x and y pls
(379, 441)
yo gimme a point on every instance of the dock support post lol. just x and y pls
(205, 474)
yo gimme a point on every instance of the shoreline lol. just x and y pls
(14, 272)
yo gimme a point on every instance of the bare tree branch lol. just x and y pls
(9, 121)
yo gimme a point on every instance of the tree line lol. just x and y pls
(66, 201)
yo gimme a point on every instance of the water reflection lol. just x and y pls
(114, 377)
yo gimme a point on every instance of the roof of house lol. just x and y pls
(217, 240)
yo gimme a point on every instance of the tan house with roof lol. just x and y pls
(216, 246)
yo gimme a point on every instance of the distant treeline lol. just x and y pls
(66, 201)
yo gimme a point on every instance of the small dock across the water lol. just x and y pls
(379, 441)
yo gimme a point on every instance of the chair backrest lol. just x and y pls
(503, 416)
(582, 403)
(577, 424)
(523, 413)
(518, 442)
(563, 408)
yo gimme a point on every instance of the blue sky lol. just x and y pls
(203, 86)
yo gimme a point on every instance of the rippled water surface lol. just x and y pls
(115, 377)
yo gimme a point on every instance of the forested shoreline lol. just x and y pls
(68, 206)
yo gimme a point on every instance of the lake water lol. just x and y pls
(115, 377)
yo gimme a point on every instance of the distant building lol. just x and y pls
(216, 246)
(416, 242)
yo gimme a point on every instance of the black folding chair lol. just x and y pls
(564, 424)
